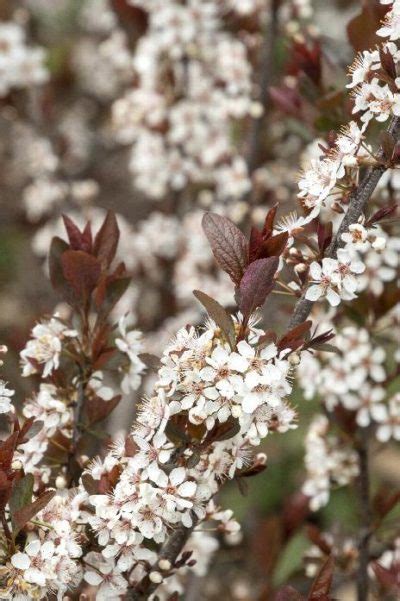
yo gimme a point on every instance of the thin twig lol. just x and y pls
(77, 426)
(256, 132)
(357, 205)
(365, 517)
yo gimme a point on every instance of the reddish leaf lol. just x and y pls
(106, 240)
(288, 593)
(90, 484)
(228, 244)
(274, 246)
(256, 284)
(269, 222)
(323, 582)
(104, 358)
(130, 447)
(286, 99)
(256, 241)
(57, 248)
(97, 409)
(251, 471)
(296, 509)
(26, 513)
(31, 427)
(87, 239)
(384, 501)
(114, 290)
(295, 337)
(224, 431)
(381, 214)
(7, 448)
(318, 540)
(388, 579)
(21, 497)
(82, 271)
(73, 232)
(109, 480)
(4, 481)
(362, 29)
(220, 315)
(324, 233)
(266, 339)
(99, 344)
(151, 361)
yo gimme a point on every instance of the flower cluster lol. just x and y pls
(21, 66)
(52, 407)
(369, 258)
(44, 348)
(319, 182)
(211, 406)
(329, 463)
(354, 379)
(130, 343)
(377, 100)
(5, 397)
(335, 279)
(48, 561)
(181, 131)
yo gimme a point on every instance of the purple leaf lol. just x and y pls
(256, 284)
(323, 582)
(219, 315)
(288, 593)
(229, 246)
(106, 240)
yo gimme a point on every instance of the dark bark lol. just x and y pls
(364, 502)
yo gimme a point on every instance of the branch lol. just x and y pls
(77, 430)
(171, 550)
(357, 205)
(256, 133)
(363, 490)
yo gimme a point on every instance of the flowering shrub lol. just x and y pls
(91, 509)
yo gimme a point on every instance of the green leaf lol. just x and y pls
(220, 315)
(291, 559)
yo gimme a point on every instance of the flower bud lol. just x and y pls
(300, 268)
(155, 577)
(294, 359)
(261, 458)
(61, 482)
(164, 565)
